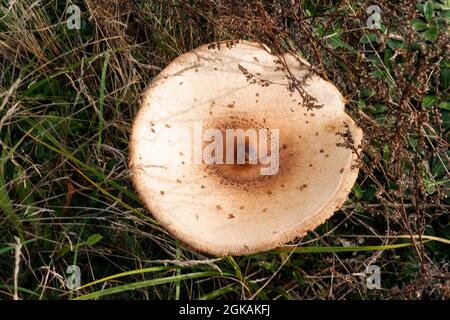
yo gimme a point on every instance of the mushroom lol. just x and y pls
(235, 208)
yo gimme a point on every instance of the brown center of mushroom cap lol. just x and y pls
(247, 176)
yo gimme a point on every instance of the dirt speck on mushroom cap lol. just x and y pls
(277, 208)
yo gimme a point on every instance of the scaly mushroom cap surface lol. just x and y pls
(226, 209)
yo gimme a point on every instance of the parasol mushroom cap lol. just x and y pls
(234, 209)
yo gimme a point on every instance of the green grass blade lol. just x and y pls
(147, 283)
(220, 292)
(101, 122)
(128, 273)
(340, 249)
(11, 248)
